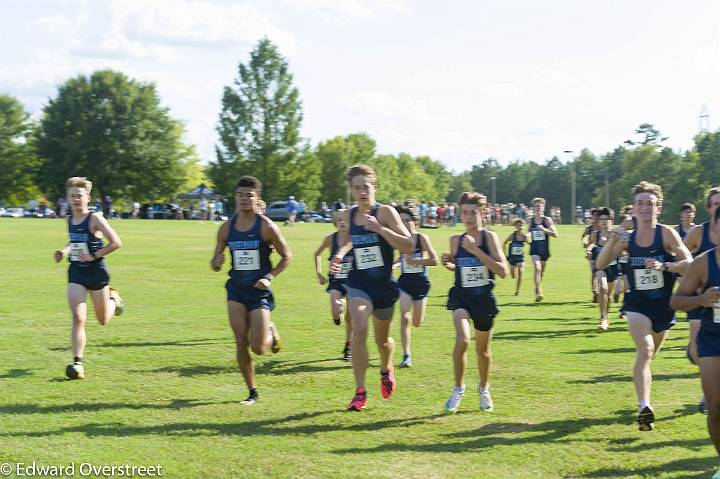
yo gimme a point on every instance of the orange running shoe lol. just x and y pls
(387, 383)
(359, 401)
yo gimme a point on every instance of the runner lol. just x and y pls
(604, 278)
(540, 228)
(87, 272)
(651, 247)
(516, 256)
(628, 224)
(586, 239)
(700, 290)
(475, 257)
(687, 215)
(375, 231)
(249, 237)
(413, 282)
(336, 282)
(700, 239)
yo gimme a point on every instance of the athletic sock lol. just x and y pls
(644, 404)
(253, 393)
(78, 360)
(484, 389)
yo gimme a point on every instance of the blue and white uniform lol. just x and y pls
(337, 281)
(708, 339)
(93, 275)
(414, 279)
(473, 287)
(612, 271)
(650, 289)
(516, 253)
(371, 274)
(540, 245)
(250, 256)
(683, 234)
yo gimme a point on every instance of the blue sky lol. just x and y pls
(460, 82)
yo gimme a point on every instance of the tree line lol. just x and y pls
(114, 130)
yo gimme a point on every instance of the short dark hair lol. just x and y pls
(473, 198)
(408, 207)
(361, 170)
(687, 206)
(609, 212)
(248, 181)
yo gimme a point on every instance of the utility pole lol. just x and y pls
(572, 188)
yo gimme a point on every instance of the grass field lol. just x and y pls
(163, 386)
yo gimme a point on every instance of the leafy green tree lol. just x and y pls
(459, 184)
(649, 135)
(18, 161)
(259, 128)
(335, 156)
(113, 130)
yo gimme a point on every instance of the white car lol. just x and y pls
(13, 213)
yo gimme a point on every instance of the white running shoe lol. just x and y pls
(486, 402)
(453, 403)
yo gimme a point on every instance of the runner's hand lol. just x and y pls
(217, 262)
(710, 297)
(58, 255)
(335, 265)
(372, 224)
(321, 279)
(263, 284)
(468, 242)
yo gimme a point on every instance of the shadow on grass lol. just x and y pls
(502, 434)
(150, 344)
(16, 373)
(271, 427)
(517, 335)
(621, 378)
(531, 302)
(624, 350)
(271, 367)
(176, 404)
(693, 467)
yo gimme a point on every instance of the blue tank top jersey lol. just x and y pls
(711, 316)
(471, 274)
(540, 243)
(681, 232)
(597, 247)
(706, 244)
(249, 252)
(346, 264)
(413, 270)
(648, 285)
(373, 255)
(516, 251)
(82, 241)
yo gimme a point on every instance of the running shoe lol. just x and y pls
(75, 371)
(453, 402)
(702, 408)
(517, 293)
(646, 419)
(603, 325)
(347, 353)
(538, 297)
(359, 401)
(119, 303)
(276, 340)
(336, 321)
(486, 402)
(406, 361)
(387, 383)
(251, 399)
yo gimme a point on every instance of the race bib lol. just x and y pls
(474, 276)
(516, 250)
(716, 312)
(648, 279)
(370, 257)
(246, 259)
(77, 249)
(411, 268)
(344, 271)
(538, 235)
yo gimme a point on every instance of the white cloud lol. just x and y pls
(351, 9)
(383, 105)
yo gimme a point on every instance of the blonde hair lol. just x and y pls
(79, 182)
(646, 187)
(710, 193)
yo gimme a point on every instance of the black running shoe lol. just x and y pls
(336, 321)
(347, 353)
(646, 419)
(252, 399)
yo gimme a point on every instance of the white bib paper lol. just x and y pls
(538, 235)
(246, 259)
(77, 249)
(648, 279)
(411, 268)
(716, 312)
(344, 271)
(474, 276)
(516, 250)
(370, 257)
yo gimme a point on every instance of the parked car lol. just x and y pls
(317, 217)
(13, 213)
(277, 211)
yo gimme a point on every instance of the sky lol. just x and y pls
(460, 82)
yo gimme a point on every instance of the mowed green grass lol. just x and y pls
(163, 386)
